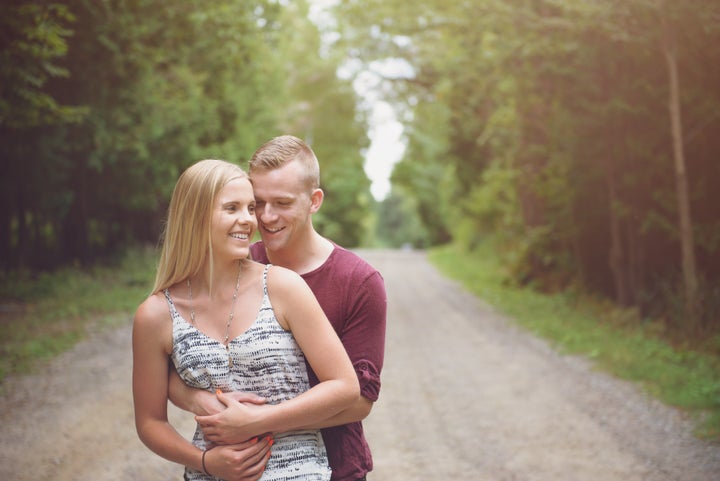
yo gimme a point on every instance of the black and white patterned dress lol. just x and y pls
(266, 361)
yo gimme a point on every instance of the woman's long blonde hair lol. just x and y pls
(186, 245)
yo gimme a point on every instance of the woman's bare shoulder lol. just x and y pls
(154, 309)
(282, 279)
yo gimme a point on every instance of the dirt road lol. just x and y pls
(465, 396)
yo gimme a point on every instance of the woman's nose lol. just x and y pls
(244, 216)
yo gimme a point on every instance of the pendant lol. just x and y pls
(230, 361)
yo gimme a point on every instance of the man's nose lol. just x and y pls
(266, 213)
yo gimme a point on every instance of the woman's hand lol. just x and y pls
(239, 462)
(234, 424)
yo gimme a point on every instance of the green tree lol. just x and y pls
(557, 133)
(34, 40)
(162, 85)
(398, 224)
(105, 103)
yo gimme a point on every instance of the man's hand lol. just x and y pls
(230, 425)
(200, 401)
(239, 462)
(216, 406)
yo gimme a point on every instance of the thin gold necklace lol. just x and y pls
(226, 341)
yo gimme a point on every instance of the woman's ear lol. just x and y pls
(316, 200)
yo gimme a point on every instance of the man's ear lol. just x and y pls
(316, 200)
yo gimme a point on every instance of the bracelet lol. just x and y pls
(203, 462)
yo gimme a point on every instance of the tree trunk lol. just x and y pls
(687, 241)
(616, 255)
(5, 229)
(23, 237)
(75, 233)
(635, 261)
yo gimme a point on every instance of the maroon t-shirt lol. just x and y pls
(352, 294)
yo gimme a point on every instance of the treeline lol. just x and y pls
(583, 136)
(104, 103)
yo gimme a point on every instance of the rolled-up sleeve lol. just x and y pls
(369, 377)
(364, 335)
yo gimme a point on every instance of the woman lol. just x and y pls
(230, 324)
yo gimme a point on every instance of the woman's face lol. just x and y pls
(233, 220)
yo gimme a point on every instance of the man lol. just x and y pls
(286, 179)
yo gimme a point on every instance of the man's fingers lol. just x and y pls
(222, 397)
(246, 397)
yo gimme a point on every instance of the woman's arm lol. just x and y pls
(152, 341)
(298, 311)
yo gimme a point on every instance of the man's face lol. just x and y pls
(283, 206)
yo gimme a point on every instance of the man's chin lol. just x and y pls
(271, 241)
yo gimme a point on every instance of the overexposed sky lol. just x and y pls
(385, 132)
(386, 148)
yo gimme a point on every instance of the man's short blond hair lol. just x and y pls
(281, 150)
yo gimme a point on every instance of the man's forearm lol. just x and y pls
(191, 399)
(356, 412)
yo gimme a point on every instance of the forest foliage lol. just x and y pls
(104, 103)
(583, 137)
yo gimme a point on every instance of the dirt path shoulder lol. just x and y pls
(465, 396)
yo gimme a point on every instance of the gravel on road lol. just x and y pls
(465, 395)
